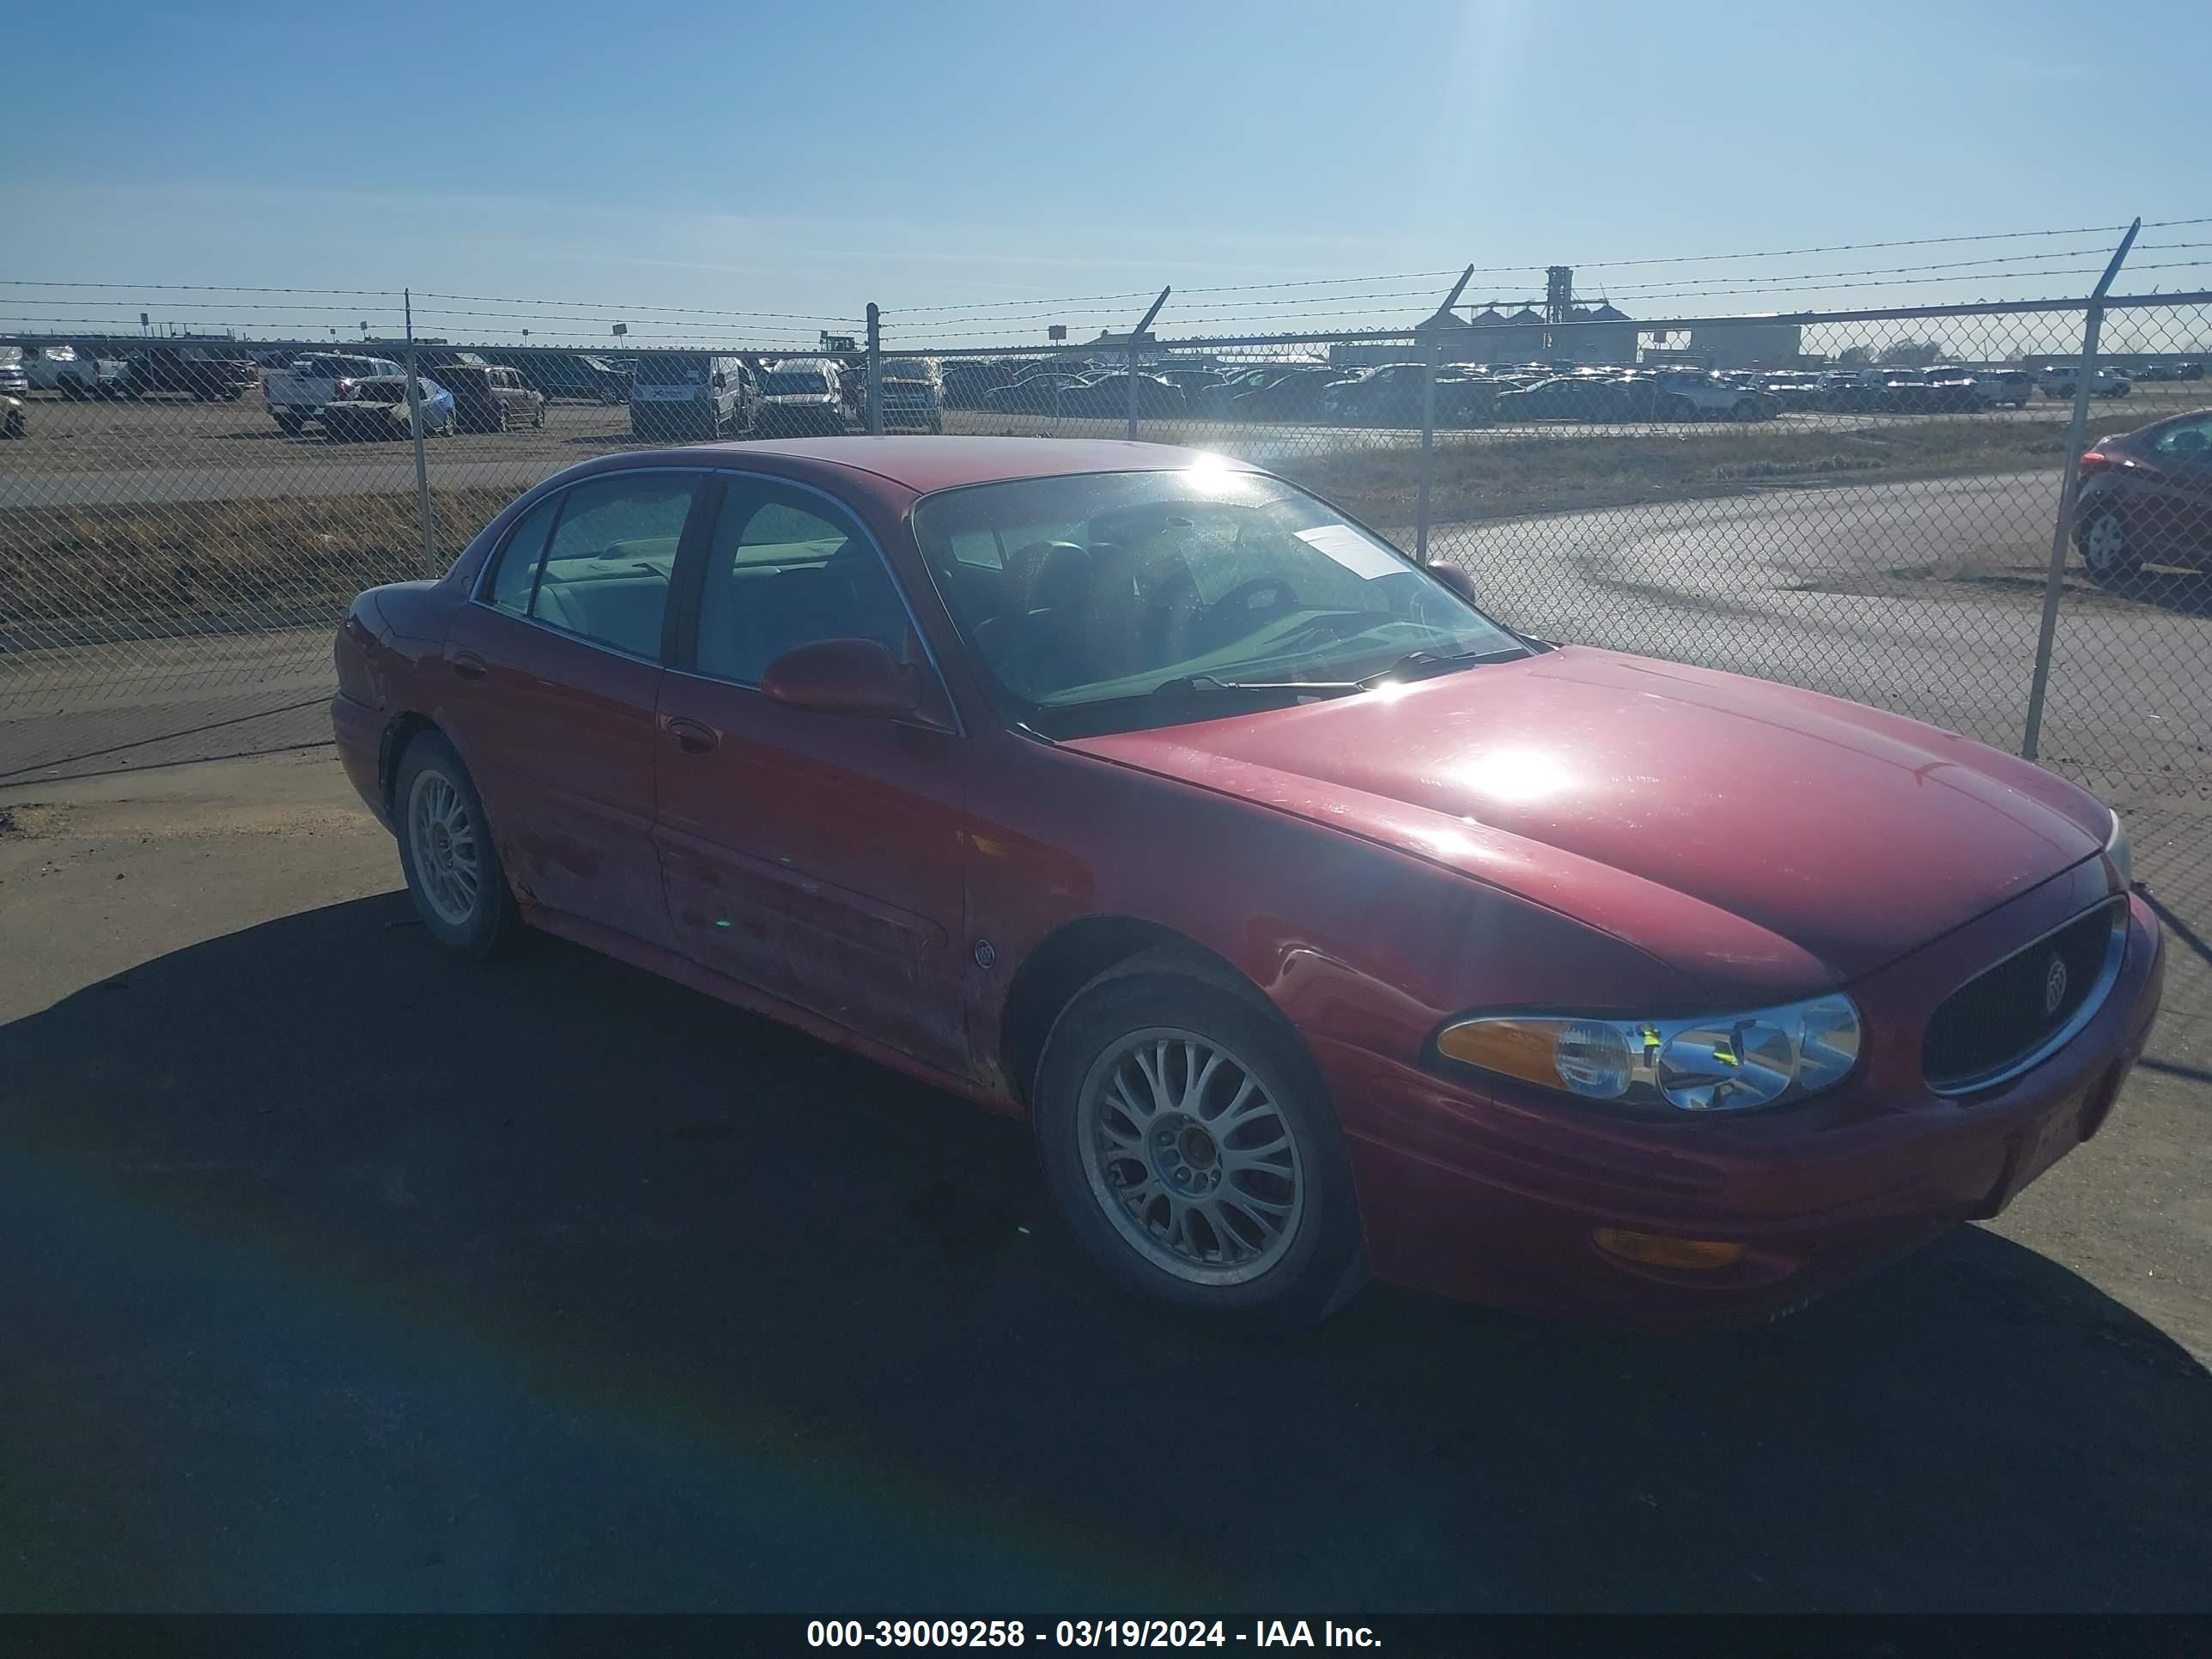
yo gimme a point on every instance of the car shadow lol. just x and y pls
(352, 1275)
(2185, 592)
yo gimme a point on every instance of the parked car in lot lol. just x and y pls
(377, 408)
(1388, 394)
(491, 397)
(800, 397)
(2058, 384)
(2145, 497)
(199, 372)
(692, 396)
(1107, 397)
(969, 384)
(13, 380)
(1584, 398)
(1995, 387)
(1290, 394)
(1692, 394)
(1033, 394)
(1319, 925)
(574, 377)
(913, 395)
(65, 370)
(14, 421)
(299, 392)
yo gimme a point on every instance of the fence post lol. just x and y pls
(422, 463)
(1428, 347)
(2068, 491)
(1138, 336)
(1431, 338)
(875, 370)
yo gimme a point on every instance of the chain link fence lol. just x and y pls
(1866, 503)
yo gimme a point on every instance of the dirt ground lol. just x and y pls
(348, 1276)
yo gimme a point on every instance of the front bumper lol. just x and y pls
(1495, 1200)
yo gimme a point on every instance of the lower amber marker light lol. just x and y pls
(1661, 1250)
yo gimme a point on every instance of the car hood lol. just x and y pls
(1752, 830)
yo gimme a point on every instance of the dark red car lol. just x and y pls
(1319, 925)
(2146, 498)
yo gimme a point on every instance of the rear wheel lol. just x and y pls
(2106, 550)
(452, 871)
(287, 422)
(1189, 1140)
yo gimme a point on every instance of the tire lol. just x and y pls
(432, 793)
(1745, 410)
(1285, 1251)
(2106, 553)
(286, 422)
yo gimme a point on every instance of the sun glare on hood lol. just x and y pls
(1515, 775)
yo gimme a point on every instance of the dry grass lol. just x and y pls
(1518, 477)
(117, 571)
(68, 573)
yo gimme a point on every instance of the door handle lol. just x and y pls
(468, 665)
(691, 737)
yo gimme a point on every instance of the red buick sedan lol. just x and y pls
(1318, 924)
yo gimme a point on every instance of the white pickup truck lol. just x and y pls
(297, 394)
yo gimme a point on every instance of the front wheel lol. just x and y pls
(1188, 1139)
(452, 871)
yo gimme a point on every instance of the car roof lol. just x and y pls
(923, 463)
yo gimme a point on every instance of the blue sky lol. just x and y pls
(804, 160)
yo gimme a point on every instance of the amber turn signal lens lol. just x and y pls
(1658, 1250)
(1509, 1049)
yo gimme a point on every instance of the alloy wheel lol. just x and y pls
(1190, 1156)
(448, 856)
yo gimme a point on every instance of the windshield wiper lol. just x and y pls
(1202, 684)
(1419, 665)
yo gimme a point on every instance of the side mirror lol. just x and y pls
(1452, 576)
(843, 676)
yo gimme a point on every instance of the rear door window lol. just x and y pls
(606, 572)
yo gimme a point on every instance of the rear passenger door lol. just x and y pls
(555, 672)
(816, 856)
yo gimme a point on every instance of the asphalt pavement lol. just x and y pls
(348, 1276)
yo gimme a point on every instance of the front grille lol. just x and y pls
(2002, 1021)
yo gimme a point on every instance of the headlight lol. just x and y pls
(2122, 855)
(1720, 1063)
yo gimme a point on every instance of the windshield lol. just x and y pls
(1080, 596)
(787, 382)
(918, 373)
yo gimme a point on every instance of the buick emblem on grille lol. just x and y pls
(2054, 986)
